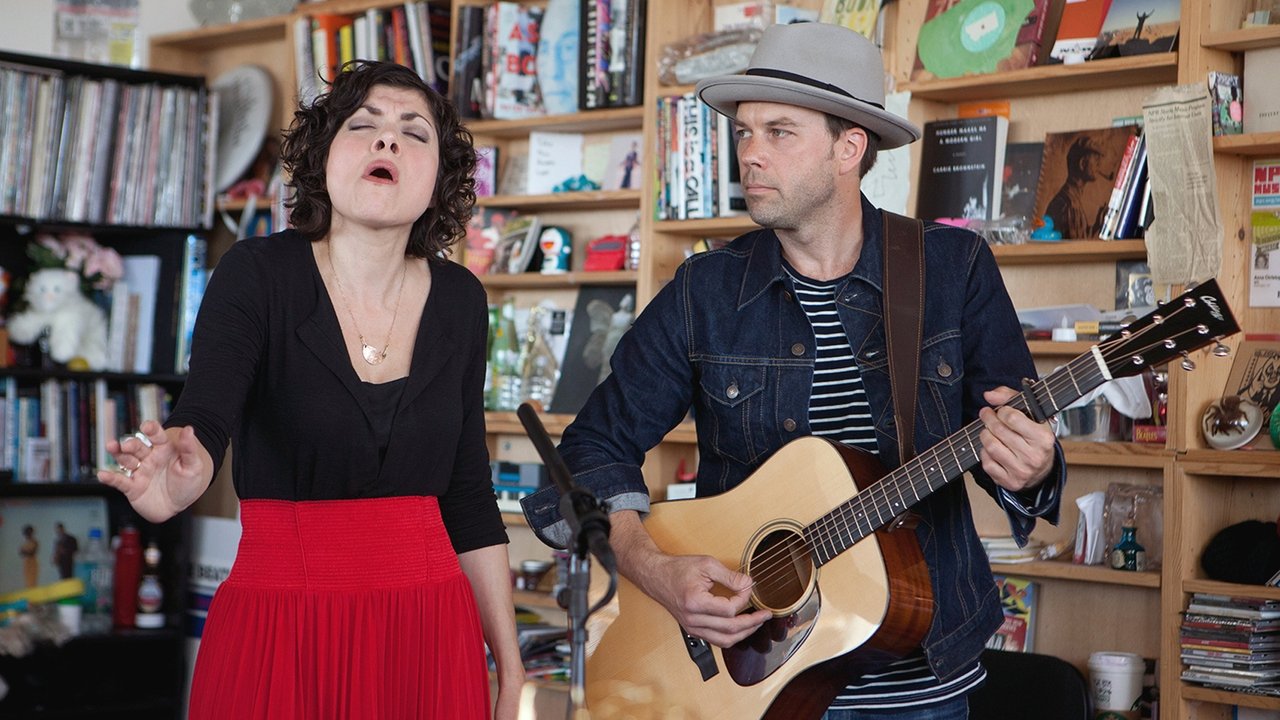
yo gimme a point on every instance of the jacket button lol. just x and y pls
(787, 294)
(732, 391)
(944, 370)
(789, 425)
(797, 349)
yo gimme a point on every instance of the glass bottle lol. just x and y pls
(539, 370)
(489, 398)
(150, 591)
(506, 358)
(1128, 554)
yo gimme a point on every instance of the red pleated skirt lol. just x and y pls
(346, 609)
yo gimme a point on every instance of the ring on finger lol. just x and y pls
(142, 438)
(127, 472)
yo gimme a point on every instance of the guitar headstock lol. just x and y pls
(1194, 319)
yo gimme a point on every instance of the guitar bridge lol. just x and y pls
(701, 655)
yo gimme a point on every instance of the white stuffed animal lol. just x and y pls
(77, 327)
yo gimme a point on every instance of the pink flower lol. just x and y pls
(106, 265)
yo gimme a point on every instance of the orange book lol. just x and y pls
(400, 33)
(1078, 30)
(326, 27)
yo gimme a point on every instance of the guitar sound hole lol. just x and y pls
(782, 569)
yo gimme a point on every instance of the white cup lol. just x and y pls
(69, 614)
(1116, 678)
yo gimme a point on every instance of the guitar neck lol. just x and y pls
(1195, 319)
(879, 504)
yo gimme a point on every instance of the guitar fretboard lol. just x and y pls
(879, 504)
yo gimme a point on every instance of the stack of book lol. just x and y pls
(1004, 549)
(1232, 643)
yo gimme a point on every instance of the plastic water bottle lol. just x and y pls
(96, 568)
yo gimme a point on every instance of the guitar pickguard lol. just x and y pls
(765, 650)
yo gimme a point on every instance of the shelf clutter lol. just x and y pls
(1204, 489)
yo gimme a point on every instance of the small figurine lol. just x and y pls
(1046, 231)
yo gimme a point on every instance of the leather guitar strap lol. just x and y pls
(903, 320)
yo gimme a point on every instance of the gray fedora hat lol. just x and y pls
(823, 67)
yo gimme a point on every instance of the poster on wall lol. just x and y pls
(1264, 263)
(97, 31)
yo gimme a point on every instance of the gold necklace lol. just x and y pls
(371, 354)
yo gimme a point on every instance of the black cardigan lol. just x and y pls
(270, 372)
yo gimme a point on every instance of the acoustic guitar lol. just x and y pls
(819, 529)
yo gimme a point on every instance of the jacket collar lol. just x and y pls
(764, 257)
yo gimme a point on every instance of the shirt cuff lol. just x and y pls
(559, 534)
(1045, 500)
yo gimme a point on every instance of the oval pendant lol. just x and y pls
(371, 354)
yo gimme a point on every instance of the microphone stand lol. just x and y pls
(589, 525)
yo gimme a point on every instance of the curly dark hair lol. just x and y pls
(305, 151)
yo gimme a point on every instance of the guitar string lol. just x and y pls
(879, 488)
(830, 525)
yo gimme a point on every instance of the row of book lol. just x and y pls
(415, 35)
(57, 431)
(515, 60)
(697, 162)
(1232, 643)
(955, 40)
(98, 150)
(1079, 184)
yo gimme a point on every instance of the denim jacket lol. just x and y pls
(727, 339)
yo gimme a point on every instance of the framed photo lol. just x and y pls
(1255, 373)
(40, 537)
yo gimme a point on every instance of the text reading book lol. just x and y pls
(962, 168)
(516, 90)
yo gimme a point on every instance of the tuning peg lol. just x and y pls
(1187, 363)
(1202, 329)
(1157, 319)
(1170, 343)
(1189, 302)
(1220, 350)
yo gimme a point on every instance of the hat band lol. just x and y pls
(793, 77)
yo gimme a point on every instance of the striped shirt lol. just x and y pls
(838, 410)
